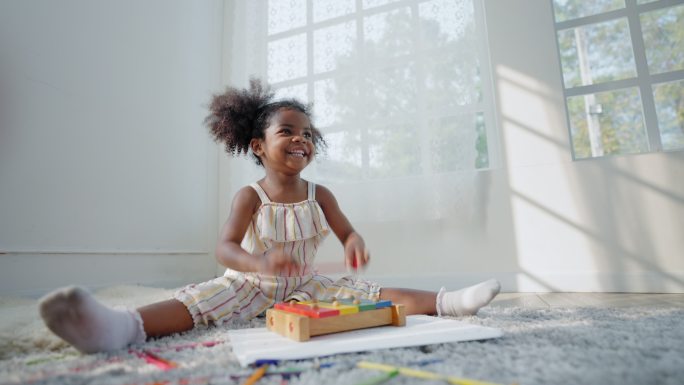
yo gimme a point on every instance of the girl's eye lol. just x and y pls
(286, 131)
(307, 135)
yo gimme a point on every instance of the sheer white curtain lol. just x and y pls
(401, 92)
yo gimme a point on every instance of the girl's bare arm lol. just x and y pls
(229, 253)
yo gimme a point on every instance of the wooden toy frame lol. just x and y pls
(300, 327)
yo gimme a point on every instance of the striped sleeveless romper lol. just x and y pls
(298, 229)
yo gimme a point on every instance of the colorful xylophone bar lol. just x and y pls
(300, 321)
(334, 307)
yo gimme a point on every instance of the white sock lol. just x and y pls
(466, 301)
(77, 317)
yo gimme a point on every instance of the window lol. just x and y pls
(623, 71)
(400, 87)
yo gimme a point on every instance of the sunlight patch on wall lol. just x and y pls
(546, 217)
(530, 116)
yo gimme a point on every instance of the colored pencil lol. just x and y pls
(261, 370)
(157, 361)
(381, 379)
(421, 374)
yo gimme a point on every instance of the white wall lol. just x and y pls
(107, 174)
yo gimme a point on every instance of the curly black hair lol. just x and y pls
(239, 115)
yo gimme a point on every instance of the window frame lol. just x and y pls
(644, 80)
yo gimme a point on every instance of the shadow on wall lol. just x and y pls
(617, 217)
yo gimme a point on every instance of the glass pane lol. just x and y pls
(596, 53)
(333, 44)
(328, 9)
(458, 143)
(388, 34)
(452, 80)
(394, 151)
(287, 58)
(453, 20)
(664, 39)
(669, 100)
(342, 156)
(645, 1)
(391, 94)
(572, 9)
(326, 110)
(607, 123)
(284, 15)
(337, 101)
(298, 92)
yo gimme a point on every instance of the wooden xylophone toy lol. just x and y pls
(302, 320)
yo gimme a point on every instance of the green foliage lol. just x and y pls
(482, 160)
(572, 9)
(669, 98)
(663, 32)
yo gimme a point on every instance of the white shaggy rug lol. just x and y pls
(539, 346)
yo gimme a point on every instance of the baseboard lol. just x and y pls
(32, 275)
(597, 282)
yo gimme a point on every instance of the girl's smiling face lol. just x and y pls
(287, 145)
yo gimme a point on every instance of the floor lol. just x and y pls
(551, 300)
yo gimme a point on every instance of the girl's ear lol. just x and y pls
(255, 145)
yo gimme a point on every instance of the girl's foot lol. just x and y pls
(78, 318)
(466, 301)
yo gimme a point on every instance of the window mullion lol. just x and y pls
(260, 8)
(660, 4)
(601, 87)
(643, 77)
(361, 81)
(591, 19)
(309, 51)
(422, 126)
(665, 77)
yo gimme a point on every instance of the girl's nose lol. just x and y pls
(299, 138)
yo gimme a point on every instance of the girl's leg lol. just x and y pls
(90, 326)
(466, 301)
(414, 301)
(165, 318)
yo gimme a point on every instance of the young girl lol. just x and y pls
(268, 243)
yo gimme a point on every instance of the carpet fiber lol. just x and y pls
(539, 346)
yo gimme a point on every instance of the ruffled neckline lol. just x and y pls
(288, 222)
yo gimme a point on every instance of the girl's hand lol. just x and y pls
(276, 261)
(356, 256)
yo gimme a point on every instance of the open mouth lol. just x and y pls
(297, 153)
